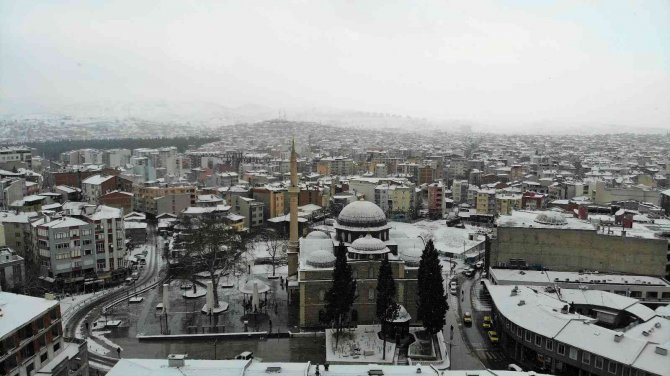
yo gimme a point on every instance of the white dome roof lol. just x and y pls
(368, 244)
(411, 256)
(321, 259)
(551, 218)
(362, 214)
(318, 235)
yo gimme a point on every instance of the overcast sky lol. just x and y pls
(495, 62)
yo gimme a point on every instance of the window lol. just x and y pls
(573, 353)
(611, 367)
(61, 235)
(550, 345)
(586, 358)
(85, 232)
(527, 335)
(560, 348)
(322, 295)
(371, 272)
(371, 294)
(599, 362)
(86, 242)
(44, 357)
(518, 331)
(56, 346)
(538, 340)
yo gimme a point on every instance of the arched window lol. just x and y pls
(371, 294)
(322, 295)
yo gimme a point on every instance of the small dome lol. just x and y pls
(317, 235)
(411, 256)
(321, 259)
(362, 214)
(551, 218)
(368, 244)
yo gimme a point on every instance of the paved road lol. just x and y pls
(475, 302)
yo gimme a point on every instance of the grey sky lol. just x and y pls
(498, 62)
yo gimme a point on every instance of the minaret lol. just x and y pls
(293, 191)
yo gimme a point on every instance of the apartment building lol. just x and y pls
(272, 198)
(159, 200)
(250, 209)
(12, 269)
(15, 156)
(507, 202)
(436, 201)
(459, 191)
(31, 339)
(486, 201)
(89, 241)
(337, 166)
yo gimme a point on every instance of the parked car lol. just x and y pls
(493, 336)
(487, 322)
(245, 355)
(479, 264)
(469, 272)
(467, 318)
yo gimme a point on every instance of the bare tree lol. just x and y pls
(214, 248)
(277, 247)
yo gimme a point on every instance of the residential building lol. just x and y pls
(12, 269)
(436, 200)
(250, 209)
(272, 198)
(486, 201)
(459, 191)
(15, 157)
(117, 199)
(534, 201)
(11, 190)
(337, 166)
(164, 199)
(31, 339)
(665, 201)
(506, 202)
(116, 157)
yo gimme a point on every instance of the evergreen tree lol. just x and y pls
(340, 297)
(387, 308)
(432, 300)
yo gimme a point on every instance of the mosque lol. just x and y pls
(369, 239)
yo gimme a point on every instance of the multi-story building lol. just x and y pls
(579, 331)
(11, 190)
(17, 232)
(31, 339)
(166, 199)
(337, 166)
(12, 269)
(436, 201)
(250, 209)
(665, 201)
(88, 241)
(506, 202)
(459, 191)
(272, 198)
(486, 201)
(15, 157)
(116, 157)
(118, 199)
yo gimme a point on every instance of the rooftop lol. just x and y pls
(18, 310)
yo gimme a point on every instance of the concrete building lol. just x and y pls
(553, 241)
(159, 200)
(15, 157)
(118, 199)
(337, 166)
(507, 202)
(486, 201)
(272, 199)
(116, 157)
(580, 332)
(31, 339)
(665, 201)
(250, 209)
(459, 191)
(437, 206)
(603, 194)
(12, 269)
(11, 190)
(652, 291)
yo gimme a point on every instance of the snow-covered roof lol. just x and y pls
(548, 219)
(18, 310)
(105, 212)
(61, 222)
(134, 225)
(97, 179)
(362, 213)
(368, 245)
(321, 259)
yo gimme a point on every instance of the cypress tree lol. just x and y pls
(340, 297)
(387, 308)
(432, 300)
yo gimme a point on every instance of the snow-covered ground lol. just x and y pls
(100, 335)
(359, 345)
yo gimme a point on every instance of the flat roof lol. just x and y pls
(18, 310)
(506, 276)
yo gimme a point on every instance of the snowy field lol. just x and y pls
(359, 345)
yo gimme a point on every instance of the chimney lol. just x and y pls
(176, 360)
(618, 336)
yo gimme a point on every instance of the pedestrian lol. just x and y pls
(118, 352)
(270, 326)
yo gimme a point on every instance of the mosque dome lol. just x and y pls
(551, 218)
(362, 214)
(317, 235)
(411, 256)
(368, 244)
(321, 259)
